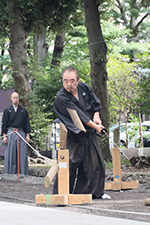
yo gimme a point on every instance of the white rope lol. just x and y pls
(38, 154)
(25, 141)
(118, 147)
(95, 43)
(7, 134)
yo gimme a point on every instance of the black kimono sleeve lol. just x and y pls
(62, 102)
(93, 102)
(27, 128)
(66, 100)
(4, 122)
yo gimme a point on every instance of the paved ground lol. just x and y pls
(128, 204)
(12, 213)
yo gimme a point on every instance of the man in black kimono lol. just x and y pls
(84, 151)
(15, 117)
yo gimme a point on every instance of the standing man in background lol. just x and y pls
(15, 117)
(85, 155)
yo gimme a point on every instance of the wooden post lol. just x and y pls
(117, 184)
(63, 172)
(63, 197)
(51, 174)
(116, 165)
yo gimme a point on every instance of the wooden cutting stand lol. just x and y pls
(63, 197)
(117, 184)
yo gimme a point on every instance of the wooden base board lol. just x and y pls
(121, 185)
(63, 199)
(76, 199)
(129, 184)
(112, 186)
(117, 184)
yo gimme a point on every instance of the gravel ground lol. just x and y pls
(127, 204)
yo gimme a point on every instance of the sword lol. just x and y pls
(104, 131)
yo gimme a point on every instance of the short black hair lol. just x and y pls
(70, 68)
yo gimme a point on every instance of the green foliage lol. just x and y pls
(134, 129)
(40, 124)
(41, 166)
(108, 165)
(117, 44)
(113, 33)
(76, 52)
(132, 118)
(142, 97)
(3, 19)
(144, 60)
(124, 12)
(67, 15)
(47, 13)
(6, 79)
(121, 83)
(125, 162)
(46, 81)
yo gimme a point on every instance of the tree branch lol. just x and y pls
(141, 20)
(122, 11)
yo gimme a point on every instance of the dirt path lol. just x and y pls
(127, 204)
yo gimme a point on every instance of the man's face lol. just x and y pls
(15, 99)
(70, 81)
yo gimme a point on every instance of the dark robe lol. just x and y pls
(84, 150)
(20, 121)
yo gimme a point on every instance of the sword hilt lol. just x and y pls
(104, 131)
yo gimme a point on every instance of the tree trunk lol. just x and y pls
(126, 126)
(119, 125)
(97, 53)
(58, 49)
(2, 54)
(133, 22)
(40, 47)
(140, 130)
(1, 67)
(17, 51)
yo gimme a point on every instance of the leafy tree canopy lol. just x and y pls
(37, 13)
